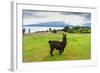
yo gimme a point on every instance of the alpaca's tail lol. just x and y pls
(49, 41)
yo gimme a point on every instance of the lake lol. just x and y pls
(37, 29)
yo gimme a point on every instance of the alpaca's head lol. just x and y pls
(64, 35)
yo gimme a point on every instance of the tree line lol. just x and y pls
(74, 29)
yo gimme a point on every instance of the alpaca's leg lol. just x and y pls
(51, 51)
(60, 51)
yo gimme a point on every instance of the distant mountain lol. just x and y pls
(87, 24)
(49, 24)
(54, 24)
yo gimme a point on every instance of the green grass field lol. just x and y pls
(37, 49)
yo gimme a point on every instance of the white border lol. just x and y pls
(17, 38)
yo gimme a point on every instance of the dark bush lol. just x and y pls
(24, 30)
(54, 31)
(50, 29)
(66, 28)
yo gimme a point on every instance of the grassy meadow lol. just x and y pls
(37, 49)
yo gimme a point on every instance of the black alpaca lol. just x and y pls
(58, 45)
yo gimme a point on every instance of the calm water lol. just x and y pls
(36, 29)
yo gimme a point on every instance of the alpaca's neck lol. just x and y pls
(64, 42)
(64, 39)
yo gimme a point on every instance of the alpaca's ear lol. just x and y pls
(64, 33)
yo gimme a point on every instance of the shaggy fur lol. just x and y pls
(58, 45)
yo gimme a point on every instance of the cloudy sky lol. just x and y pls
(72, 18)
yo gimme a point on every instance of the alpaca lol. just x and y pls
(58, 45)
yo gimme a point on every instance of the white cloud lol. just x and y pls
(74, 20)
(39, 17)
